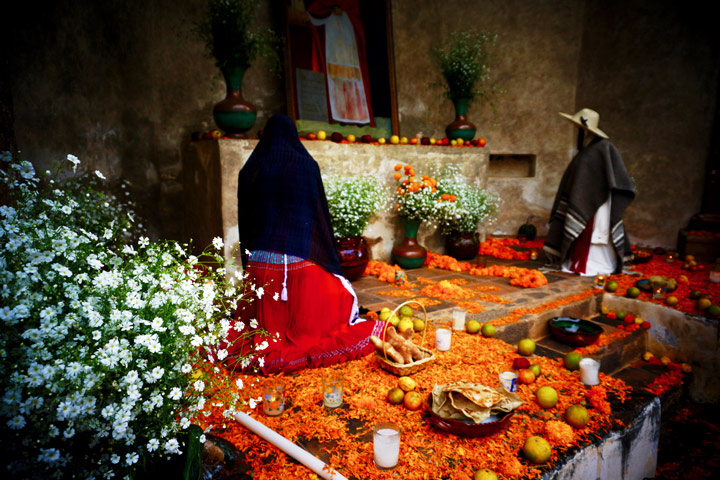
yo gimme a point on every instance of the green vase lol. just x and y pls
(460, 127)
(409, 253)
(234, 115)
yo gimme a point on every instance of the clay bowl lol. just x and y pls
(466, 428)
(586, 334)
(641, 256)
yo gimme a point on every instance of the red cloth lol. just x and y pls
(313, 324)
(581, 248)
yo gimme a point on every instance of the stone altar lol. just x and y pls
(210, 173)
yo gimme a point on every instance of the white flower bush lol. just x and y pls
(462, 204)
(352, 201)
(108, 349)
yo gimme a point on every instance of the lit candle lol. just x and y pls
(442, 339)
(458, 322)
(386, 445)
(600, 281)
(589, 369)
(670, 258)
(533, 254)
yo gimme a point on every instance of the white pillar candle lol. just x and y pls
(386, 445)
(589, 369)
(442, 339)
(299, 454)
(458, 322)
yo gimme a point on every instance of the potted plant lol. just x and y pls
(352, 202)
(461, 207)
(225, 29)
(463, 61)
(416, 203)
(108, 348)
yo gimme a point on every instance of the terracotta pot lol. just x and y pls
(460, 127)
(409, 253)
(234, 115)
(462, 246)
(354, 256)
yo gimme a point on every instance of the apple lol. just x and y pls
(404, 140)
(526, 377)
(394, 139)
(526, 347)
(321, 135)
(381, 141)
(396, 396)
(311, 136)
(413, 400)
(350, 138)
(482, 142)
(413, 141)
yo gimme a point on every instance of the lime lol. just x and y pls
(703, 303)
(537, 449)
(535, 369)
(633, 292)
(396, 396)
(488, 330)
(577, 416)
(572, 360)
(611, 286)
(473, 326)
(526, 347)
(485, 474)
(713, 310)
(418, 325)
(547, 397)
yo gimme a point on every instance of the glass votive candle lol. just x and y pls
(533, 254)
(509, 381)
(443, 336)
(458, 318)
(386, 445)
(600, 281)
(589, 370)
(670, 258)
(273, 399)
(332, 390)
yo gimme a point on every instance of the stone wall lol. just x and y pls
(122, 84)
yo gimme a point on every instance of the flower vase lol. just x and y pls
(460, 127)
(234, 115)
(354, 255)
(409, 253)
(462, 245)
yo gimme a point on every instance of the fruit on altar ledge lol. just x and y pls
(647, 356)
(336, 137)
(633, 292)
(413, 400)
(526, 377)
(403, 140)
(482, 142)
(394, 320)
(537, 450)
(695, 294)
(381, 141)
(703, 303)
(366, 138)
(485, 474)
(572, 360)
(350, 138)
(418, 325)
(611, 286)
(385, 314)
(520, 362)
(407, 384)
(713, 310)
(671, 300)
(535, 368)
(311, 136)
(577, 416)
(526, 347)
(396, 396)
(473, 326)
(546, 397)
(488, 330)
(321, 135)
(394, 139)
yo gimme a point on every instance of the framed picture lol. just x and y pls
(340, 74)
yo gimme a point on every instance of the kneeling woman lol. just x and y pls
(287, 242)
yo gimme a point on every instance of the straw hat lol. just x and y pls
(587, 119)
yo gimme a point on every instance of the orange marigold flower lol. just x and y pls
(398, 167)
(559, 433)
(397, 176)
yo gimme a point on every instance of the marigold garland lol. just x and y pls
(425, 453)
(559, 433)
(447, 290)
(500, 248)
(517, 313)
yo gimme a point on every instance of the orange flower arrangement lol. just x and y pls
(447, 290)
(559, 433)
(521, 277)
(446, 262)
(415, 198)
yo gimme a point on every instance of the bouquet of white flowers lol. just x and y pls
(461, 205)
(352, 202)
(108, 350)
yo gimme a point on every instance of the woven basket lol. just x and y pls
(407, 368)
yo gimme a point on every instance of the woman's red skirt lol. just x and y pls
(311, 329)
